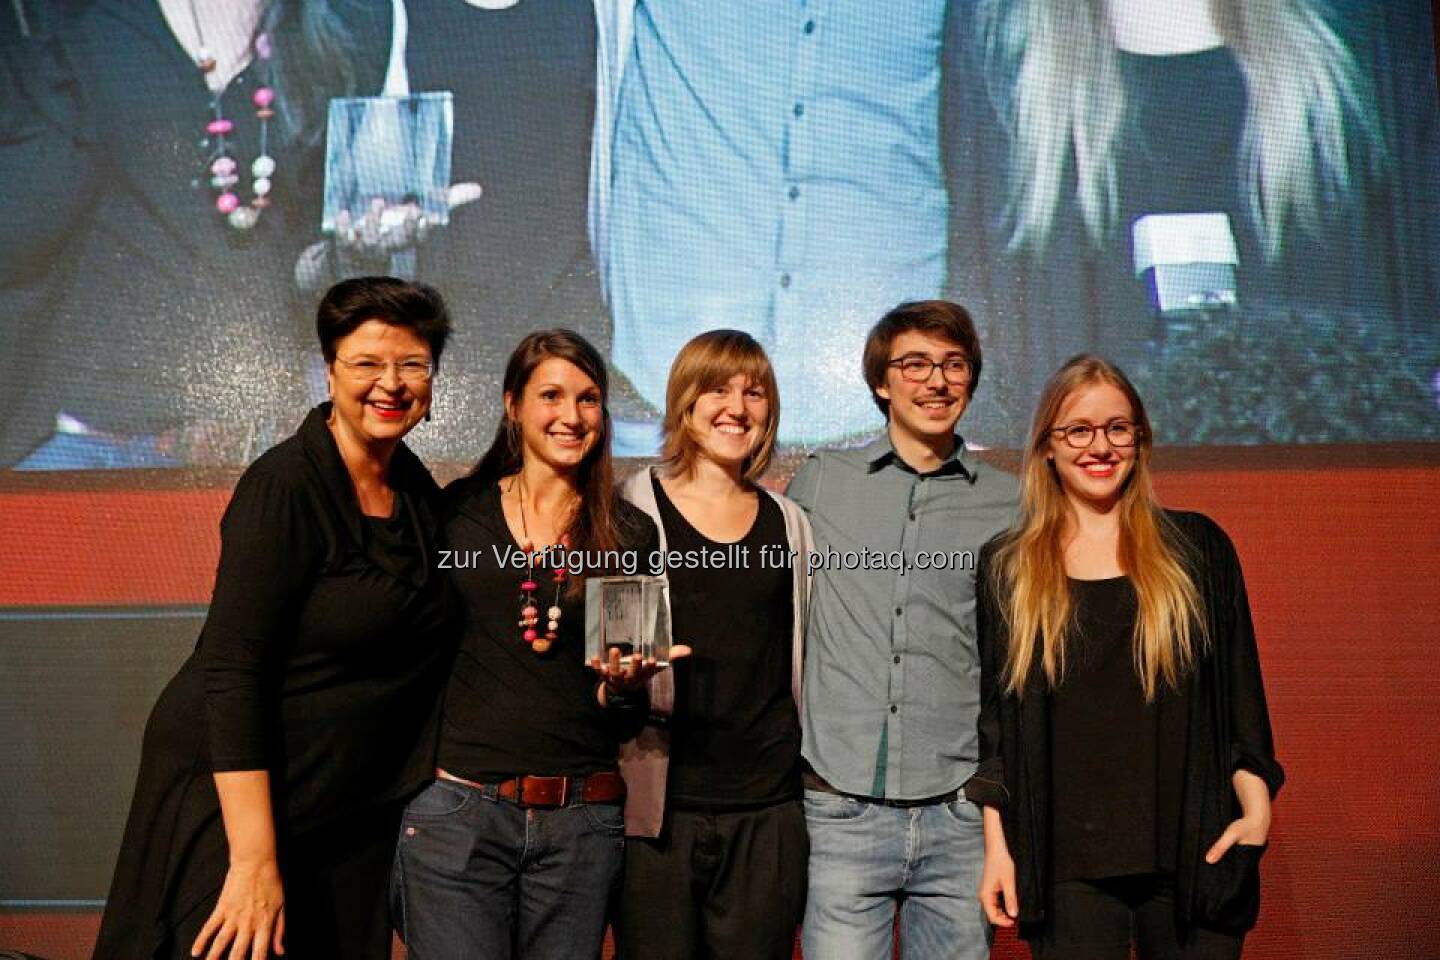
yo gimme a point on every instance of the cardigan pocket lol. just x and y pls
(1227, 894)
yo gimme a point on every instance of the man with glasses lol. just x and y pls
(892, 671)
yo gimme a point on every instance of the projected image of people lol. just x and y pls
(1211, 191)
(522, 78)
(190, 131)
(775, 169)
(235, 159)
(1239, 200)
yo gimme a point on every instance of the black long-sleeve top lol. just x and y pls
(1228, 730)
(327, 639)
(321, 661)
(508, 710)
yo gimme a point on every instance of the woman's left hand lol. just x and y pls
(628, 675)
(1253, 827)
(1245, 831)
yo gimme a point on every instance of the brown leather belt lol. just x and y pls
(605, 787)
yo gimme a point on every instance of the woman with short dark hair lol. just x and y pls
(277, 761)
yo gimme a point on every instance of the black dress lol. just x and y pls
(321, 661)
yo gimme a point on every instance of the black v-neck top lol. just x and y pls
(508, 710)
(735, 734)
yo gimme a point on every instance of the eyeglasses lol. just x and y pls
(915, 368)
(1120, 433)
(368, 370)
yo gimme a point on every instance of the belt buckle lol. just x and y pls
(564, 791)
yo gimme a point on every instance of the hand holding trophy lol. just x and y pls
(627, 632)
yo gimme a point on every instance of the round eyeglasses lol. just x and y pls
(368, 370)
(915, 368)
(1119, 433)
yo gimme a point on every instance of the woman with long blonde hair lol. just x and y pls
(1127, 767)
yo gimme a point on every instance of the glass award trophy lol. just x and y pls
(629, 613)
(387, 169)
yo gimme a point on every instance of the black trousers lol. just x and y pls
(715, 885)
(1099, 919)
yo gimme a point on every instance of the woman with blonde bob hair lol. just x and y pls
(714, 798)
(1127, 768)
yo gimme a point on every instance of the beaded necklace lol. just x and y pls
(222, 164)
(529, 610)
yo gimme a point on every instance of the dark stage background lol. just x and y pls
(821, 160)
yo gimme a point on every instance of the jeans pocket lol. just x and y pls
(1227, 894)
(965, 812)
(441, 799)
(606, 817)
(833, 807)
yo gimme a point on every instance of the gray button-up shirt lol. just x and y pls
(892, 670)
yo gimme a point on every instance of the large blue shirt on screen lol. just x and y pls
(776, 169)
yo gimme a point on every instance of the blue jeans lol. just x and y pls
(867, 859)
(476, 876)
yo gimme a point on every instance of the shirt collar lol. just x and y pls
(881, 452)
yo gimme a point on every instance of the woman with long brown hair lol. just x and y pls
(516, 847)
(1127, 766)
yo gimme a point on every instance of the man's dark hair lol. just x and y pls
(939, 318)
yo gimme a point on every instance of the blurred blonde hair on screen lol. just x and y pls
(1310, 127)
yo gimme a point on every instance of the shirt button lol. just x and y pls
(794, 193)
(785, 280)
(899, 611)
(799, 109)
(894, 708)
(897, 658)
(912, 515)
(809, 26)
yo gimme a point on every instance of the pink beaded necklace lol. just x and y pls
(529, 610)
(222, 164)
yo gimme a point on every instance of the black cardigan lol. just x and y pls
(1229, 729)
